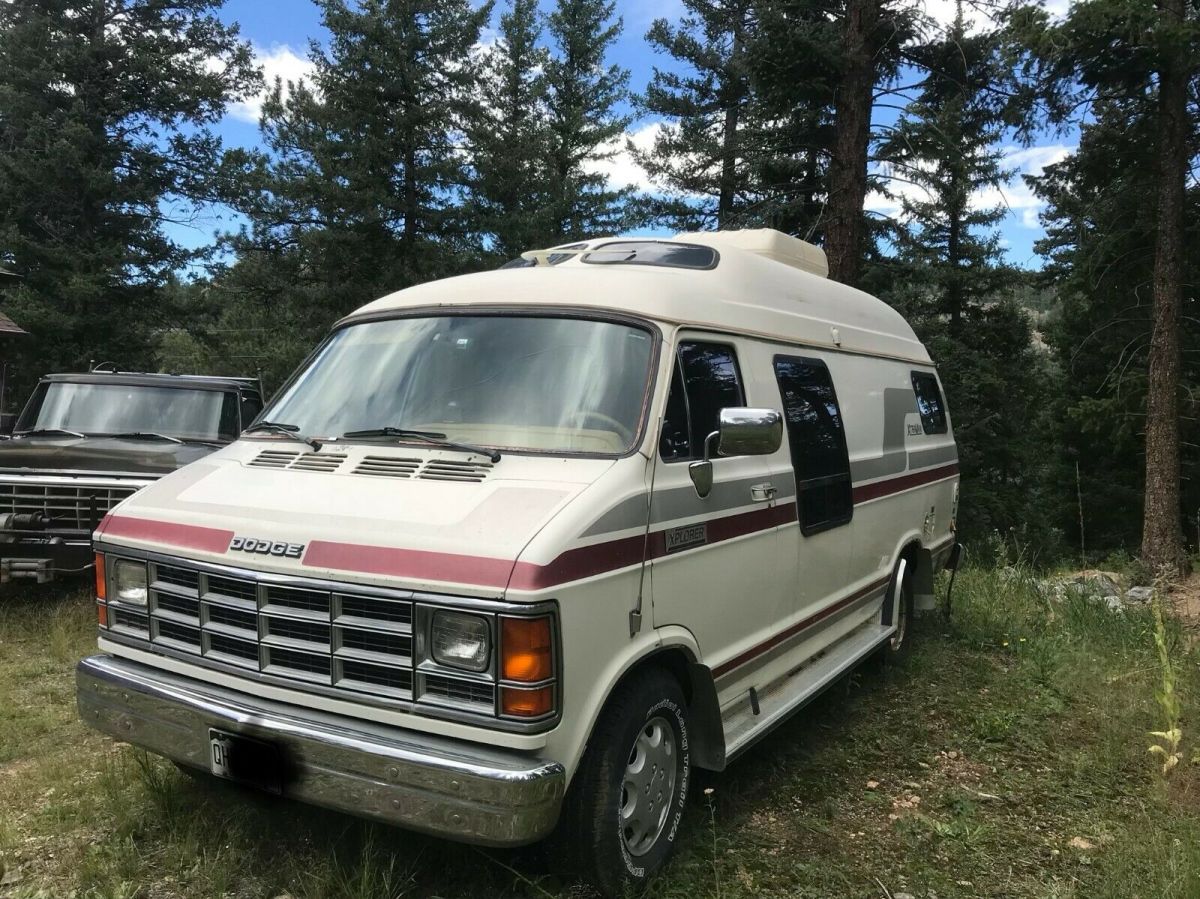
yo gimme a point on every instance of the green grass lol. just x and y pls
(1008, 757)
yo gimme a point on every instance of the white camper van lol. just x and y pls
(521, 549)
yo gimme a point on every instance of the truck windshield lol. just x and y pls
(101, 409)
(504, 381)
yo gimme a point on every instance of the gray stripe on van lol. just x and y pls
(899, 461)
(682, 502)
(934, 456)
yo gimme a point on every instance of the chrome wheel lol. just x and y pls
(648, 787)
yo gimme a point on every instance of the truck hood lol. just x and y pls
(390, 516)
(108, 455)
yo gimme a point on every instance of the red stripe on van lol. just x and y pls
(191, 536)
(482, 571)
(877, 489)
(770, 643)
(600, 558)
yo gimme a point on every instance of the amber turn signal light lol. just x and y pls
(526, 651)
(101, 593)
(102, 614)
(526, 703)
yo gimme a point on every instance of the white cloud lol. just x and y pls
(1016, 196)
(621, 169)
(277, 61)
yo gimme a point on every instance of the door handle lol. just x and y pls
(762, 493)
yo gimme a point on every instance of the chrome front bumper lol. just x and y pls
(432, 784)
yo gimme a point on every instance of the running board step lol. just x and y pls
(743, 727)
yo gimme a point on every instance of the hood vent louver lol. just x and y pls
(273, 459)
(450, 470)
(279, 459)
(388, 467)
(405, 467)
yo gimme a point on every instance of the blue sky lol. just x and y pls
(280, 32)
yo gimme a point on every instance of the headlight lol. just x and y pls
(461, 641)
(129, 582)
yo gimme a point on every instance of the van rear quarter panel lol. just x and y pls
(904, 479)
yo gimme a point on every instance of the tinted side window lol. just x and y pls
(817, 438)
(706, 381)
(929, 402)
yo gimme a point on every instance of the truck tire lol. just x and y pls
(623, 810)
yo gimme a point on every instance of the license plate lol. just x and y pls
(255, 763)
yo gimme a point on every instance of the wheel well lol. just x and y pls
(700, 692)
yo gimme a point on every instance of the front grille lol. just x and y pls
(340, 640)
(291, 632)
(460, 692)
(67, 506)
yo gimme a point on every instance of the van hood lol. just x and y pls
(396, 516)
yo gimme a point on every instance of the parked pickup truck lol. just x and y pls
(84, 442)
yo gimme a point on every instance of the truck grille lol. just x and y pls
(69, 507)
(325, 637)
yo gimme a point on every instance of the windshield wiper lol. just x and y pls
(434, 437)
(143, 435)
(279, 427)
(46, 432)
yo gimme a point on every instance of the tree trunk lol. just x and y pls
(848, 168)
(1162, 536)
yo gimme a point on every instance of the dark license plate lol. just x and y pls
(255, 763)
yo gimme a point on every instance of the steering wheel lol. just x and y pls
(610, 423)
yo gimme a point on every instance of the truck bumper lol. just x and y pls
(444, 787)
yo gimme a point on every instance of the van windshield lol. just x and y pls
(505, 381)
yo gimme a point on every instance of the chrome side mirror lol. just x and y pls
(741, 431)
(748, 432)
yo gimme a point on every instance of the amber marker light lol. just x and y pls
(526, 703)
(101, 592)
(526, 652)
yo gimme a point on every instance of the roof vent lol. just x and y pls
(388, 466)
(768, 243)
(451, 470)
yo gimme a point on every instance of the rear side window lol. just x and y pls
(929, 402)
(705, 381)
(817, 439)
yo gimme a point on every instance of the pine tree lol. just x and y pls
(362, 190)
(949, 279)
(1106, 54)
(584, 94)
(944, 151)
(510, 139)
(700, 156)
(105, 108)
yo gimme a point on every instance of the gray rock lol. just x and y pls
(1139, 594)
(1115, 603)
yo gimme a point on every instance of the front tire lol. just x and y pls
(623, 811)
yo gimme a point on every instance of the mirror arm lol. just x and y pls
(712, 441)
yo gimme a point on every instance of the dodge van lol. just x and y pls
(515, 553)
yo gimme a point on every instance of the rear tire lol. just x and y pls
(622, 813)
